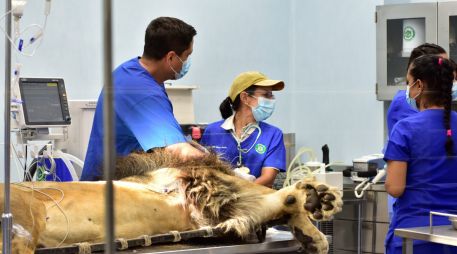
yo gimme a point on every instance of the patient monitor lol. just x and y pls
(44, 103)
(40, 118)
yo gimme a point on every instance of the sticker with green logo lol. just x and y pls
(409, 33)
(261, 149)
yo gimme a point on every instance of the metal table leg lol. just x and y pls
(407, 246)
(359, 228)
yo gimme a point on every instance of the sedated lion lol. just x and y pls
(158, 193)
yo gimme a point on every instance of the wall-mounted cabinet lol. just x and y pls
(447, 27)
(399, 29)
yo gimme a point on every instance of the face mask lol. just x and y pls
(454, 90)
(264, 108)
(185, 68)
(409, 100)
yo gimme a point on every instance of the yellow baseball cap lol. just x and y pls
(249, 78)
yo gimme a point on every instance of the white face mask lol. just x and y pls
(454, 90)
(411, 101)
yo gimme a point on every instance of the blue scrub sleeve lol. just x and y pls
(152, 124)
(205, 137)
(276, 153)
(398, 147)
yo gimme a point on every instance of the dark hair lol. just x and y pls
(438, 74)
(167, 34)
(425, 49)
(228, 106)
(453, 64)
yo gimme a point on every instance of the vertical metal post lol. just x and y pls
(407, 246)
(7, 217)
(359, 228)
(109, 141)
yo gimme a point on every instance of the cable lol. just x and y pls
(297, 173)
(56, 203)
(301, 171)
(25, 161)
(39, 34)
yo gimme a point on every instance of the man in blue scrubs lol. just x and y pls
(143, 113)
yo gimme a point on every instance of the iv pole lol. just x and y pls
(109, 146)
(109, 141)
(7, 217)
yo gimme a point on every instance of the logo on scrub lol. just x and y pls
(409, 33)
(261, 149)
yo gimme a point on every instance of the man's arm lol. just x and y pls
(185, 150)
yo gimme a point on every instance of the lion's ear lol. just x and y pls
(298, 185)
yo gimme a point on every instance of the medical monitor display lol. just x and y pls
(44, 101)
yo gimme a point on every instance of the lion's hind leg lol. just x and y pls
(28, 220)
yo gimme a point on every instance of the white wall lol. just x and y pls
(323, 50)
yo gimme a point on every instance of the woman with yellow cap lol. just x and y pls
(242, 138)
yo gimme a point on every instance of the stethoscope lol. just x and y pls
(238, 141)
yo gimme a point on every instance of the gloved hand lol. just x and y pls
(243, 172)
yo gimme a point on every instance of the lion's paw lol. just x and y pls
(322, 201)
(311, 244)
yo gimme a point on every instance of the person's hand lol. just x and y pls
(243, 172)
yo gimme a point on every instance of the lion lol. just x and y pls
(157, 193)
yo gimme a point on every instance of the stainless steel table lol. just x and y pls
(275, 242)
(440, 234)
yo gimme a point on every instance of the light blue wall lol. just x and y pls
(323, 50)
(334, 78)
(414, 1)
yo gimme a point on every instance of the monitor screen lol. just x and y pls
(44, 102)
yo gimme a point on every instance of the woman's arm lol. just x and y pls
(396, 178)
(267, 177)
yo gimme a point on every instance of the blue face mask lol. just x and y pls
(264, 108)
(409, 100)
(185, 68)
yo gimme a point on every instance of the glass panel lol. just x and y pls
(403, 35)
(453, 37)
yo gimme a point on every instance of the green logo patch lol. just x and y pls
(408, 33)
(261, 149)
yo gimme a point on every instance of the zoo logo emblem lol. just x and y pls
(260, 148)
(409, 33)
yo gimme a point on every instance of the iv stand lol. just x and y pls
(109, 157)
(7, 217)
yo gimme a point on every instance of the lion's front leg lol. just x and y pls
(311, 239)
(322, 201)
(309, 199)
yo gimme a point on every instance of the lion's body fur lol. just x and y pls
(155, 193)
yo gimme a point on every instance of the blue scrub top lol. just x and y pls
(268, 151)
(399, 109)
(431, 179)
(143, 114)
